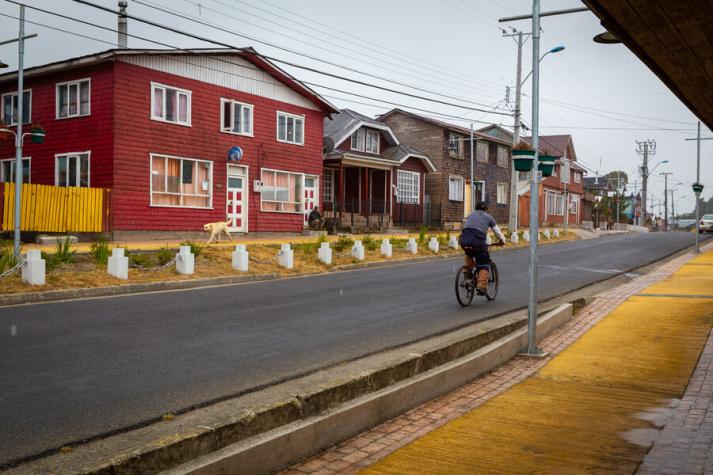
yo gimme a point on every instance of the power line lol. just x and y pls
(399, 57)
(555, 102)
(289, 63)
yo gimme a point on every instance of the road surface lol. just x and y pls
(76, 369)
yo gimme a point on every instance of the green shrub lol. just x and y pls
(51, 261)
(443, 240)
(343, 243)
(321, 238)
(139, 259)
(196, 248)
(422, 234)
(99, 252)
(165, 254)
(369, 243)
(7, 256)
(63, 252)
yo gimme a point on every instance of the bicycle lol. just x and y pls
(465, 286)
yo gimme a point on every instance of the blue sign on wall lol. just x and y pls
(235, 154)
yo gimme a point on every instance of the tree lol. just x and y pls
(621, 176)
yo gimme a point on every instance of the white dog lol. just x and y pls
(216, 229)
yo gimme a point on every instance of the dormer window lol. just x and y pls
(365, 140)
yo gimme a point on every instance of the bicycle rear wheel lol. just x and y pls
(493, 282)
(465, 287)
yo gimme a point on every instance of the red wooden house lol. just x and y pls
(156, 127)
(561, 195)
(370, 178)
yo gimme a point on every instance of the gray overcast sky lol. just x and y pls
(452, 47)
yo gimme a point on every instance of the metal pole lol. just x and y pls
(514, 203)
(665, 201)
(673, 206)
(617, 197)
(534, 184)
(18, 136)
(698, 193)
(644, 176)
(472, 172)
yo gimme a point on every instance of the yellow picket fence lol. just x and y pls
(56, 209)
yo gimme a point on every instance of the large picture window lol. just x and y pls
(72, 169)
(407, 187)
(73, 99)
(181, 182)
(455, 188)
(9, 107)
(7, 170)
(169, 104)
(236, 117)
(290, 128)
(281, 191)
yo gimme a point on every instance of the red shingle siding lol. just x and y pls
(136, 136)
(78, 134)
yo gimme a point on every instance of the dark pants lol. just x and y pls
(474, 244)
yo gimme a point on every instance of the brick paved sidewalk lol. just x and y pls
(371, 446)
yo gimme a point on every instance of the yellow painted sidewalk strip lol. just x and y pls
(588, 409)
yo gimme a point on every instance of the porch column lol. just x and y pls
(341, 189)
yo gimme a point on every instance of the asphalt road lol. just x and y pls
(73, 370)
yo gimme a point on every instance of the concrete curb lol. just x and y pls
(278, 448)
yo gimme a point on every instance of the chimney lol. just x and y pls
(122, 27)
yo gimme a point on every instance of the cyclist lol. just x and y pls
(473, 241)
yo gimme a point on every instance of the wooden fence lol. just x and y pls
(56, 209)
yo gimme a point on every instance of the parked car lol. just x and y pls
(706, 223)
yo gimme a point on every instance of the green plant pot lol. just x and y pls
(39, 139)
(546, 164)
(522, 160)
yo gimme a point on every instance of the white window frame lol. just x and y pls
(301, 177)
(358, 140)
(502, 156)
(482, 190)
(15, 97)
(452, 180)
(328, 185)
(186, 92)
(560, 204)
(78, 83)
(243, 106)
(10, 162)
(400, 187)
(287, 115)
(574, 205)
(376, 140)
(458, 139)
(577, 176)
(78, 165)
(551, 205)
(502, 192)
(197, 160)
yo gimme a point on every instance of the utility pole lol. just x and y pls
(673, 205)
(618, 197)
(472, 172)
(646, 149)
(698, 186)
(665, 198)
(514, 178)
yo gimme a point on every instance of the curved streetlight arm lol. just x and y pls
(17, 142)
(657, 165)
(556, 49)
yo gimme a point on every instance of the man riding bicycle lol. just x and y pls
(473, 242)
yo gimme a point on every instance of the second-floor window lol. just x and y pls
(290, 128)
(481, 151)
(9, 107)
(455, 146)
(237, 117)
(169, 104)
(502, 156)
(372, 141)
(358, 140)
(73, 99)
(577, 177)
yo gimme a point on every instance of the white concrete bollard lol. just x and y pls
(546, 233)
(33, 269)
(433, 244)
(526, 235)
(386, 248)
(411, 246)
(453, 243)
(514, 238)
(324, 253)
(358, 250)
(185, 261)
(118, 264)
(556, 233)
(241, 258)
(285, 258)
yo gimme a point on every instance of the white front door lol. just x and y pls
(237, 199)
(310, 196)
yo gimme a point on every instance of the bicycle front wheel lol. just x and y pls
(493, 282)
(465, 287)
